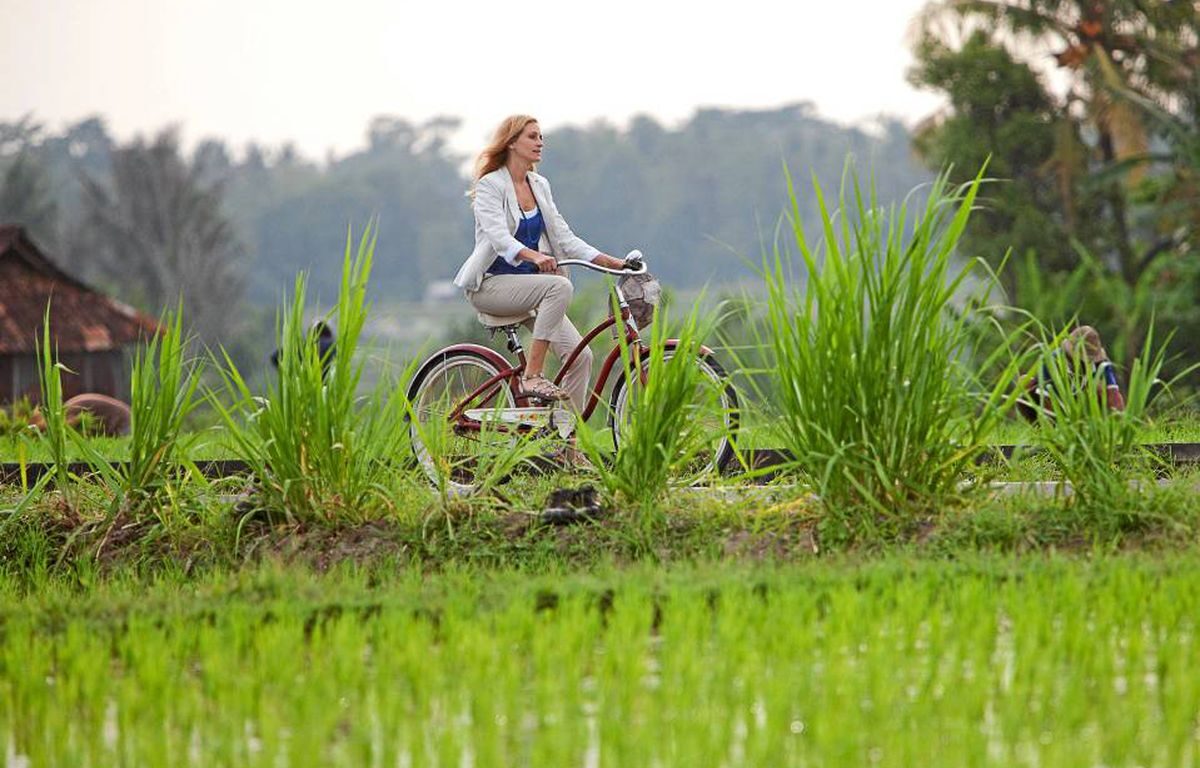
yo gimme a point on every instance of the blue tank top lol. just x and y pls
(528, 233)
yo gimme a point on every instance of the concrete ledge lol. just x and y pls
(11, 472)
(1174, 454)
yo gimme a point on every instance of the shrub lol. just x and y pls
(871, 357)
(317, 449)
(1094, 447)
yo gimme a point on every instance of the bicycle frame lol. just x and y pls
(509, 375)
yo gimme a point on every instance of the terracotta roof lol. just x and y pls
(81, 319)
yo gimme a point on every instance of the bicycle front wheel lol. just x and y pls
(448, 449)
(711, 415)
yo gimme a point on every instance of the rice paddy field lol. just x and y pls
(1044, 661)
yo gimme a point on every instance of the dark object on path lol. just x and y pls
(93, 413)
(572, 505)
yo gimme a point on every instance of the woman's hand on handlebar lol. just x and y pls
(604, 260)
(544, 262)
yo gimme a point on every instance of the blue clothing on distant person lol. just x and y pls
(1045, 383)
(529, 233)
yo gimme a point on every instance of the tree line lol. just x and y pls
(149, 221)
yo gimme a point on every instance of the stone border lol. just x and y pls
(1176, 454)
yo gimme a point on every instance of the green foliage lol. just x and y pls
(56, 431)
(874, 395)
(316, 448)
(672, 422)
(163, 391)
(53, 435)
(1001, 115)
(1121, 311)
(16, 418)
(1094, 446)
(1106, 167)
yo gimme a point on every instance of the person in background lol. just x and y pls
(321, 335)
(519, 238)
(1082, 347)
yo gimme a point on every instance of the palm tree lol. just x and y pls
(1129, 72)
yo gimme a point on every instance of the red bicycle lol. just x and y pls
(476, 391)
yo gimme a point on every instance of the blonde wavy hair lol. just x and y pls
(495, 154)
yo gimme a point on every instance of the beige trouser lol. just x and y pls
(549, 295)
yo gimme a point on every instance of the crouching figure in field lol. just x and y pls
(1086, 360)
(93, 413)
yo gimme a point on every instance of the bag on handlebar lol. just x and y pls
(642, 292)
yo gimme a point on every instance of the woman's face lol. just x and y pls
(528, 146)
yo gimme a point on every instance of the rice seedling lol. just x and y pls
(317, 449)
(873, 390)
(994, 662)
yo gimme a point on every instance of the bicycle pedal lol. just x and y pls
(538, 400)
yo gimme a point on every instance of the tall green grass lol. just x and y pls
(1094, 447)
(163, 392)
(316, 447)
(872, 361)
(53, 438)
(57, 432)
(672, 420)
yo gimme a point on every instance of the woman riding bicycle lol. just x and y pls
(519, 238)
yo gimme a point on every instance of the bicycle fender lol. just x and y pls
(487, 353)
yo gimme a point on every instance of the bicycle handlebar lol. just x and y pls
(597, 268)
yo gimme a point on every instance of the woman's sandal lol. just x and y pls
(543, 388)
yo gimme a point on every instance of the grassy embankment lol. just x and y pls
(867, 372)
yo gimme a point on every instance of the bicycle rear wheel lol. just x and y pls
(449, 451)
(712, 414)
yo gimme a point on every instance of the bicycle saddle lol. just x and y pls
(493, 322)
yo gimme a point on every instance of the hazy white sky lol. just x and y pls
(315, 73)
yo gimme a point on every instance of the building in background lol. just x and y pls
(89, 329)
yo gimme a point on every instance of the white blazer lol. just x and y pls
(497, 216)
